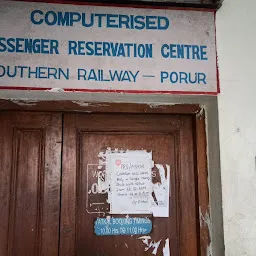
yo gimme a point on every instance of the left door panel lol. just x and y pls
(30, 168)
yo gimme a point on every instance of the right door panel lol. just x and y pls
(171, 142)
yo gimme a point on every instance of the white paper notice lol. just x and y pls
(160, 208)
(130, 182)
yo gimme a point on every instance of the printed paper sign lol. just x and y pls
(130, 181)
(122, 226)
(96, 199)
(109, 49)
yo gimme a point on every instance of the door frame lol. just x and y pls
(195, 110)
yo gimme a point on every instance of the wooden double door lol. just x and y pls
(48, 193)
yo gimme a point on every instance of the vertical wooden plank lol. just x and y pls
(203, 189)
(26, 189)
(52, 181)
(186, 191)
(68, 198)
(5, 178)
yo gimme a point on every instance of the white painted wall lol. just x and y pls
(236, 38)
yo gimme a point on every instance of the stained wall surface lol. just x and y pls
(236, 38)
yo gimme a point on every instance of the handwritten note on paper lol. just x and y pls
(130, 182)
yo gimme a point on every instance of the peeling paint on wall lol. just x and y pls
(205, 220)
(81, 103)
(25, 103)
(200, 113)
(158, 105)
(58, 90)
(209, 250)
(88, 104)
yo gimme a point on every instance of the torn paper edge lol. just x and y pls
(152, 245)
(166, 248)
(165, 187)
